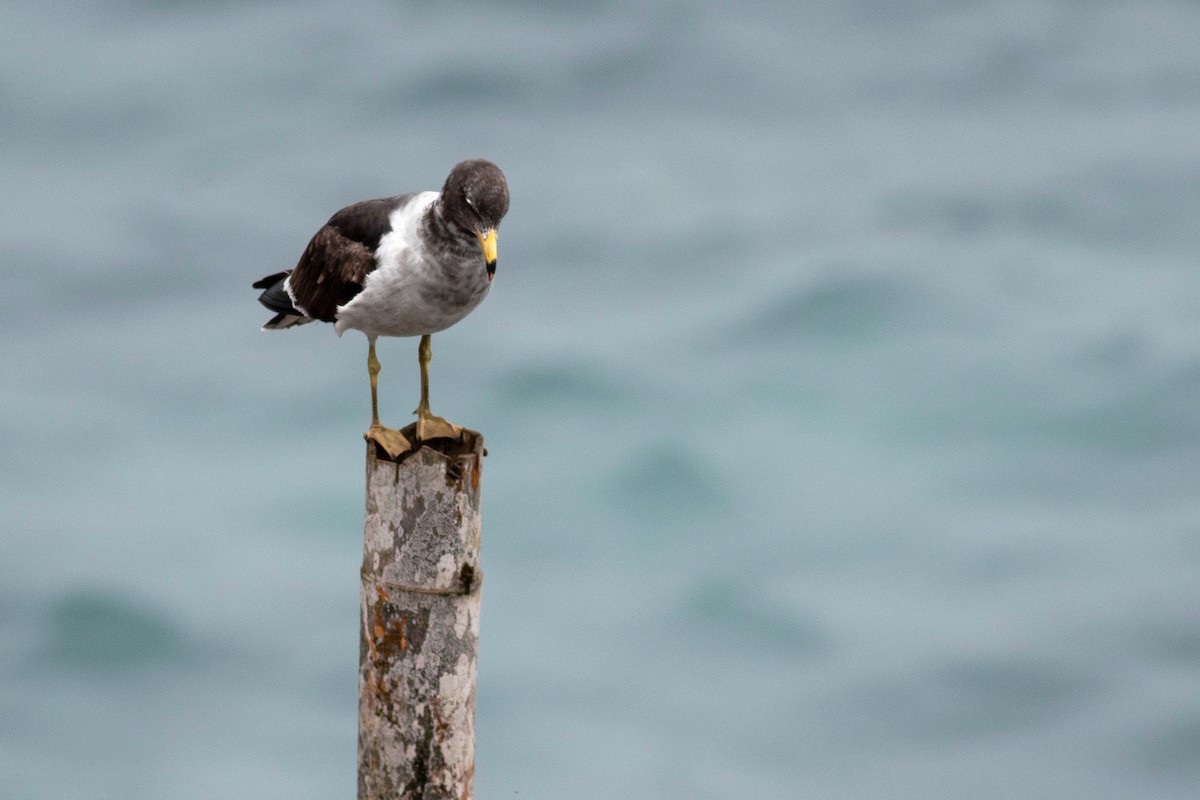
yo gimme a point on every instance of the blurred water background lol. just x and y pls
(841, 383)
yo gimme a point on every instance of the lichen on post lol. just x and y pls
(420, 621)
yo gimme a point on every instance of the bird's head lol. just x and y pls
(475, 198)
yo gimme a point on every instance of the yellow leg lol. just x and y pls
(373, 369)
(424, 356)
(393, 442)
(429, 426)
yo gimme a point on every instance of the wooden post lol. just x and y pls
(420, 621)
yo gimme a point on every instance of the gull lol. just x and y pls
(409, 265)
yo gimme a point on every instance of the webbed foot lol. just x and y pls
(393, 442)
(431, 427)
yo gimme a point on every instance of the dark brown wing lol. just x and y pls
(337, 260)
(329, 274)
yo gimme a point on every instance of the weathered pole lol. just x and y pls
(420, 621)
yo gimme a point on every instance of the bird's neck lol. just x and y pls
(436, 228)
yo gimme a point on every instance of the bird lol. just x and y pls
(408, 265)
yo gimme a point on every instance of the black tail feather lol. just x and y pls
(275, 298)
(271, 280)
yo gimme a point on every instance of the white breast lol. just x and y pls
(394, 300)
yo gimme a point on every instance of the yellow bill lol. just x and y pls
(487, 240)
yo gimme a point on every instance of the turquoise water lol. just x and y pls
(841, 384)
